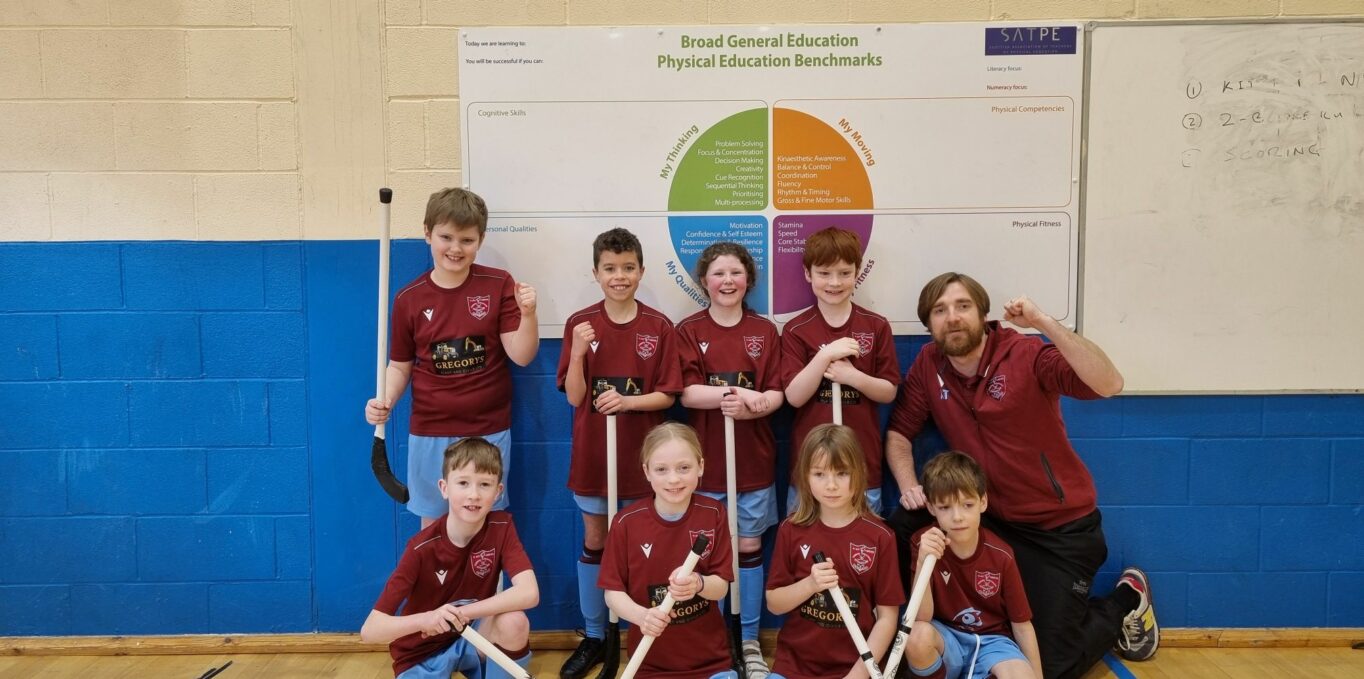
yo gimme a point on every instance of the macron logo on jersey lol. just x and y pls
(427, 313)
(440, 575)
(946, 575)
(805, 551)
(648, 549)
(594, 346)
(705, 346)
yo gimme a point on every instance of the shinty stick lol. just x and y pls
(850, 623)
(378, 451)
(916, 598)
(637, 658)
(611, 660)
(736, 607)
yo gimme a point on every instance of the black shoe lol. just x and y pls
(588, 654)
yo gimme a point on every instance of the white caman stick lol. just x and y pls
(493, 653)
(732, 497)
(736, 607)
(850, 623)
(697, 549)
(838, 403)
(611, 661)
(916, 599)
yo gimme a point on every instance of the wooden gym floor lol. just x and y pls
(1171, 663)
(1187, 654)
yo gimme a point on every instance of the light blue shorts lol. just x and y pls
(873, 499)
(971, 655)
(591, 504)
(757, 510)
(425, 457)
(460, 656)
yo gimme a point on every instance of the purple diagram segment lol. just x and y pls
(790, 290)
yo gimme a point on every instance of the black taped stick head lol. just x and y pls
(819, 557)
(699, 547)
(385, 196)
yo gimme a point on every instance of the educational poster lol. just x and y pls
(943, 146)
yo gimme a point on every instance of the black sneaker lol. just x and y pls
(1140, 633)
(588, 654)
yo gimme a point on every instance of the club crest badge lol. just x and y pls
(996, 388)
(710, 539)
(753, 346)
(861, 557)
(479, 306)
(482, 562)
(646, 345)
(987, 583)
(864, 342)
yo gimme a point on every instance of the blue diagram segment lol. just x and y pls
(691, 234)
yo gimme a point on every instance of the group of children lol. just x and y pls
(453, 330)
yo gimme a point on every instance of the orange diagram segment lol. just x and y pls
(814, 167)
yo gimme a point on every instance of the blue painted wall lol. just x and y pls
(183, 452)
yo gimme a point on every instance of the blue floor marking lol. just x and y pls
(1118, 668)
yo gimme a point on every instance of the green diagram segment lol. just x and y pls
(725, 168)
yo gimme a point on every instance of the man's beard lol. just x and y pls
(961, 345)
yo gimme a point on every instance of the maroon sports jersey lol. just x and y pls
(802, 338)
(746, 355)
(813, 643)
(642, 550)
(635, 358)
(981, 594)
(460, 382)
(433, 571)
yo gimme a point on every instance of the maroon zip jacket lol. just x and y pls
(1007, 417)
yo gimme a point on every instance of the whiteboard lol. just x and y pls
(943, 146)
(1224, 211)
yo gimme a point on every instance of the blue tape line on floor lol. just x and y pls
(1119, 669)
